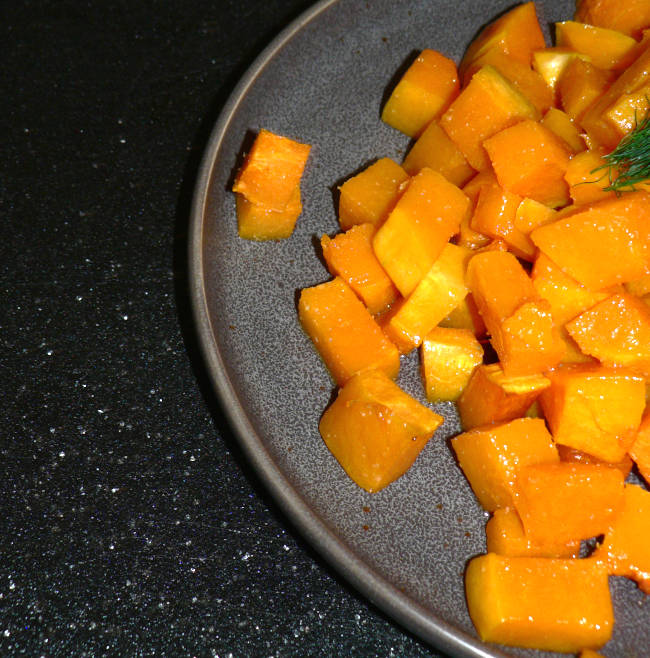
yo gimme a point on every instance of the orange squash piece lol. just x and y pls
(257, 222)
(345, 334)
(441, 289)
(369, 196)
(530, 214)
(580, 84)
(416, 231)
(423, 93)
(639, 451)
(350, 256)
(487, 105)
(465, 316)
(616, 331)
(567, 501)
(587, 178)
(562, 125)
(505, 535)
(271, 170)
(449, 357)
(594, 409)
(629, 17)
(606, 48)
(530, 160)
(540, 603)
(603, 243)
(434, 149)
(494, 216)
(516, 34)
(375, 430)
(626, 548)
(519, 322)
(551, 63)
(492, 397)
(492, 456)
(572, 455)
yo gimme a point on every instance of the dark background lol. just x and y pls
(131, 523)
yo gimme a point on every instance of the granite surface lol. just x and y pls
(132, 524)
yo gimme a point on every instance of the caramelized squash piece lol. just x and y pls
(562, 125)
(492, 397)
(423, 93)
(530, 214)
(567, 501)
(629, 17)
(580, 84)
(505, 536)
(594, 409)
(345, 334)
(601, 244)
(540, 603)
(530, 160)
(369, 196)
(257, 222)
(626, 548)
(350, 256)
(375, 430)
(427, 214)
(449, 357)
(492, 456)
(271, 170)
(487, 105)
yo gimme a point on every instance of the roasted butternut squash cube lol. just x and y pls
(271, 170)
(516, 34)
(551, 63)
(616, 331)
(465, 316)
(567, 501)
(449, 356)
(492, 456)
(580, 84)
(594, 409)
(487, 105)
(350, 255)
(257, 222)
(639, 451)
(505, 536)
(344, 333)
(540, 603)
(369, 196)
(423, 93)
(441, 289)
(626, 548)
(427, 214)
(588, 178)
(603, 243)
(492, 397)
(530, 160)
(530, 214)
(434, 149)
(629, 17)
(375, 430)
(562, 125)
(606, 48)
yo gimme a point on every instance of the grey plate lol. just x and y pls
(322, 81)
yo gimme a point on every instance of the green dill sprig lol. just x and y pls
(629, 163)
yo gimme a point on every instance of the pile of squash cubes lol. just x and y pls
(497, 250)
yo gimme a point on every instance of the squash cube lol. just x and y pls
(487, 105)
(271, 170)
(375, 430)
(571, 455)
(601, 244)
(629, 17)
(449, 356)
(540, 603)
(369, 196)
(423, 93)
(551, 63)
(562, 125)
(344, 333)
(567, 501)
(505, 536)
(530, 160)
(491, 457)
(626, 548)
(439, 292)
(492, 397)
(530, 214)
(426, 215)
(350, 255)
(594, 409)
(257, 222)
(587, 177)
(580, 84)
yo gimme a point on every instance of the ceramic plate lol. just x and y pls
(323, 81)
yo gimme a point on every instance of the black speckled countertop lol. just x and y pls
(132, 524)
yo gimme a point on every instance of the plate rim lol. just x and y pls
(375, 587)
